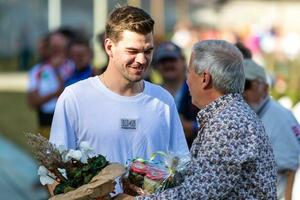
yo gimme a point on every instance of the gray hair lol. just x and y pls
(223, 61)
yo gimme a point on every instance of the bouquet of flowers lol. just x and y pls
(149, 176)
(79, 174)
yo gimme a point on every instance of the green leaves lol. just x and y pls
(59, 189)
(79, 174)
(97, 163)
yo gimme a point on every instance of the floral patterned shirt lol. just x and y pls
(231, 156)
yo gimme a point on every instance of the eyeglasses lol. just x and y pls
(248, 84)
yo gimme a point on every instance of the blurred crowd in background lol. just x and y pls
(70, 51)
(270, 33)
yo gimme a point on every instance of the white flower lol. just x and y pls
(82, 154)
(64, 157)
(84, 146)
(84, 158)
(61, 149)
(86, 150)
(76, 154)
(42, 170)
(45, 176)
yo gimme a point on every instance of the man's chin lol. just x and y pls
(135, 79)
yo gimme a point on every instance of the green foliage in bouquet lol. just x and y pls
(80, 174)
(70, 168)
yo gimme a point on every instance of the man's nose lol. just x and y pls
(141, 58)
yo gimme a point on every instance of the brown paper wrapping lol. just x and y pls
(100, 186)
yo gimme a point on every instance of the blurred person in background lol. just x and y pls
(81, 55)
(247, 54)
(280, 125)
(171, 64)
(47, 78)
(43, 50)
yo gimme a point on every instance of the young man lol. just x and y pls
(170, 63)
(231, 155)
(118, 113)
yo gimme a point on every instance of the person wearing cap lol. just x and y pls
(170, 63)
(279, 123)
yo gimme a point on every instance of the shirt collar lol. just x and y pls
(207, 112)
(261, 109)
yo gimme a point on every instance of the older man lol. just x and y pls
(231, 156)
(280, 124)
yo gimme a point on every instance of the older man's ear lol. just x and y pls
(207, 80)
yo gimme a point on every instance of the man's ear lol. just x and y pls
(109, 44)
(206, 80)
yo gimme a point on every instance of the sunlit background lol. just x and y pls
(269, 28)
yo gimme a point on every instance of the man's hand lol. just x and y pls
(289, 184)
(52, 187)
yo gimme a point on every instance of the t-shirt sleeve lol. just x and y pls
(63, 129)
(178, 144)
(286, 147)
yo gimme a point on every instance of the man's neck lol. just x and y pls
(209, 97)
(118, 84)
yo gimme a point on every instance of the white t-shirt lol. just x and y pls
(118, 127)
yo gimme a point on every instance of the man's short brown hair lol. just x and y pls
(128, 18)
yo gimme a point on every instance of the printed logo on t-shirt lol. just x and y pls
(128, 124)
